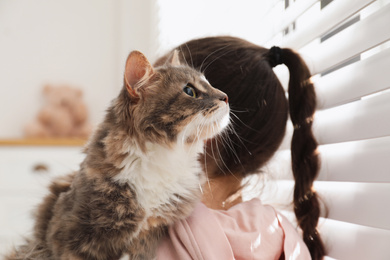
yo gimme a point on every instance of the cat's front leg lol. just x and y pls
(96, 221)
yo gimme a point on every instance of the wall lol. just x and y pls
(86, 43)
(80, 43)
(180, 21)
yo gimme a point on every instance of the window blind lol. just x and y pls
(350, 68)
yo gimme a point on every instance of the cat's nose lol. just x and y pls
(224, 98)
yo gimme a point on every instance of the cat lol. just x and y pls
(141, 171)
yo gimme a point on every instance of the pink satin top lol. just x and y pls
(249, 230)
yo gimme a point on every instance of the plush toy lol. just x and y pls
(64, 114)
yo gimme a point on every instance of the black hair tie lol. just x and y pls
(275, 56)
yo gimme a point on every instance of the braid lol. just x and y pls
(304, 157)
(242, 70)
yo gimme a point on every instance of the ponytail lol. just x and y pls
(304, 157)
(242, 70)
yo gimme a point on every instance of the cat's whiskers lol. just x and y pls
(238, 136)
(199, 130)
(230, 129)
(189, 52)
(227, 141)
(205, 168)
(201, 126)
(240, 111)
(213, 155)
(196, 138)
(244, 123)
(184, 137)
(200, 188)
(224, 141)
(184, 57)
(211, 62)
(206, 173)
(223, 161)
(210, 54)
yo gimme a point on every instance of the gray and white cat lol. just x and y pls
(141, 171)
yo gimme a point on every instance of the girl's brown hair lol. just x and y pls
(260, 111)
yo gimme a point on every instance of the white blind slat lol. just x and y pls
(293, 12)
(354, 81)
(363, 119)
(350, 161)
(360, 161)
(357, 203)
(349, 241)
(335, 13)
(369, 118)
(268, 25)
(354, 40)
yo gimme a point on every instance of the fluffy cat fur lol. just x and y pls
(141, 171)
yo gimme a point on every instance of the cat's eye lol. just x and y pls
(190, 90)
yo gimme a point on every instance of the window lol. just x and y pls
(346, 45)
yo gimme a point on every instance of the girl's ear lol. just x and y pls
(138, 70)
(174, 59)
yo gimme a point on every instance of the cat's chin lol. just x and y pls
(222, 120)
(217, 127)
(209, 128)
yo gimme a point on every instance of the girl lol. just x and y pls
(229, 227)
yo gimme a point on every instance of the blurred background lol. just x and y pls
(71, 53)
(85, 44)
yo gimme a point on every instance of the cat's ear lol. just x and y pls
(138, 69)
(174, 60)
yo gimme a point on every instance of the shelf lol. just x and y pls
(43, 142)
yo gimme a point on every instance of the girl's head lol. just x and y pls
(259, 115)
(257, 99)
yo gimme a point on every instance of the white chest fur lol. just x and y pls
(161, 173)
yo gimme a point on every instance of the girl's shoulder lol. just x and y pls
(248, 230)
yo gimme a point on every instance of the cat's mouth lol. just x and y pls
(219, 121)
(207, 126)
